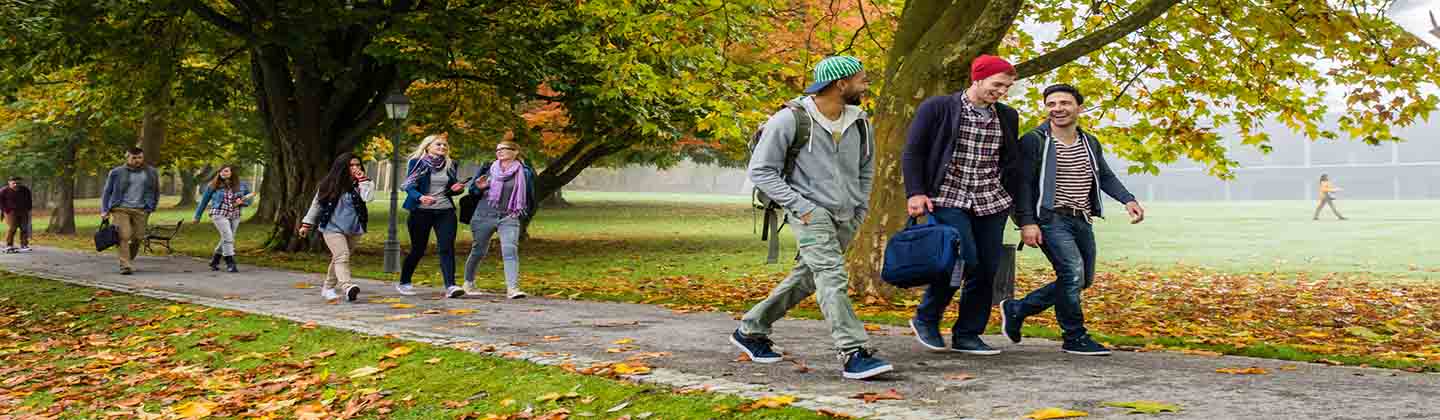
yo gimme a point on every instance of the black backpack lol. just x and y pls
(761, 201)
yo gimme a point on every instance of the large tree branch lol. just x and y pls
(218, 19)
(978, 35)
(1096, 40)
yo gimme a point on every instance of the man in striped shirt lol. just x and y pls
(1063, 172)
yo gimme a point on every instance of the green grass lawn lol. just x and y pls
(73, 352)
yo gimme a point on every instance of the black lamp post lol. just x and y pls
(397, 107)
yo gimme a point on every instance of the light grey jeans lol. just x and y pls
(821, 272)
(227, 228)
(483, 225)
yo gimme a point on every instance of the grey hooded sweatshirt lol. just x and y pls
(830, 174)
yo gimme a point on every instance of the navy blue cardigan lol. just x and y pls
(930, 145)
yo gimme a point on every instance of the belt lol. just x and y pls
(1072, 212)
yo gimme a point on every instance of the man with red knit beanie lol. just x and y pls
(960, 160)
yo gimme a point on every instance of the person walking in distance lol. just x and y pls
(507, 190)
(959, 161)
(825, 199)
(1063, 172)
(339, 212)
(131, 193)
(1327, 197)
(429, 188)
(16, 201)
(225, 196)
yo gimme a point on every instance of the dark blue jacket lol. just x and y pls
(930, 145)
(1035, 202)
(117, 181)
(529, 185)
(422, 186)
(216, 196)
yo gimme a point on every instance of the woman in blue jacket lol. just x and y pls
(224, 195)
(429, 185)
(506, 188)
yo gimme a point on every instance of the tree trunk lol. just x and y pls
(556, 200)
(925, 44)
(311, 115)
(62, 217)
(152, 134)
(190, 183)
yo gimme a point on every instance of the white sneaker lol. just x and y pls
(329, 294)
(352, 293)
(25, 249)
(10, 250)
(454, 292)
(517, 294)
(405, 289)
(470, 287)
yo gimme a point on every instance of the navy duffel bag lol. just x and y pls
(920, 254)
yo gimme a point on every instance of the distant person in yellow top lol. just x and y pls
(1327, 187)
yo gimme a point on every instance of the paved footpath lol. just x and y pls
(1024, 378)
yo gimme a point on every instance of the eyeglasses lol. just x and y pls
(504, 148)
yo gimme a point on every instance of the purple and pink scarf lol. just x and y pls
(498, 176)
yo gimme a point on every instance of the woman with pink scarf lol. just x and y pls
(507, 190)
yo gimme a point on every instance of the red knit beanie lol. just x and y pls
(988, 65)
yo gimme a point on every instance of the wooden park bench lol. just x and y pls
(161, 235)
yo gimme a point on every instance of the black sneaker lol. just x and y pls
(756, 347)
(1084, 346)
(927, 334)
(352, 293)
(972, 345)
(125, 271)
(861, 363)
(1010, 319)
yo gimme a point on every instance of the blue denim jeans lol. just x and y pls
(421, 222)
(988, 235)
(1069, 244)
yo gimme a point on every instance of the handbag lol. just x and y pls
(467, 207)
(920, 254)
(106, 237)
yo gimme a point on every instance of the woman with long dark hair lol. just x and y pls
(429, 186)
(506, 188)
(339, 212)
(224, 195)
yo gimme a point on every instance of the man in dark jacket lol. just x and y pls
(959, 156)
(1063, 172)
(131, 193)
(15, 204)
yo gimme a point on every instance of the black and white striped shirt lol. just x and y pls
(1074, 178)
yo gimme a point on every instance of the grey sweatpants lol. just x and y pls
(820, 271)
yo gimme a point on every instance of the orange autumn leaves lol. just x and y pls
(1318, 315)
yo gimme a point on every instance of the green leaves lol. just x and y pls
(1144, 407)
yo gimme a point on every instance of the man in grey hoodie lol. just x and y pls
(131, 193)
(825, 198)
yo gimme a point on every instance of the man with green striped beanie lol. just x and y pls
(825, 195)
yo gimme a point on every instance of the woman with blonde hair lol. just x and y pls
(224, 195)
(506, 192)
(429, 185)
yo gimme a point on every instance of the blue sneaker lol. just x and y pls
(1010, 319)
(861, 363)
(972, 345)
(756, 347)
(927, 334)
(1084, 346)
